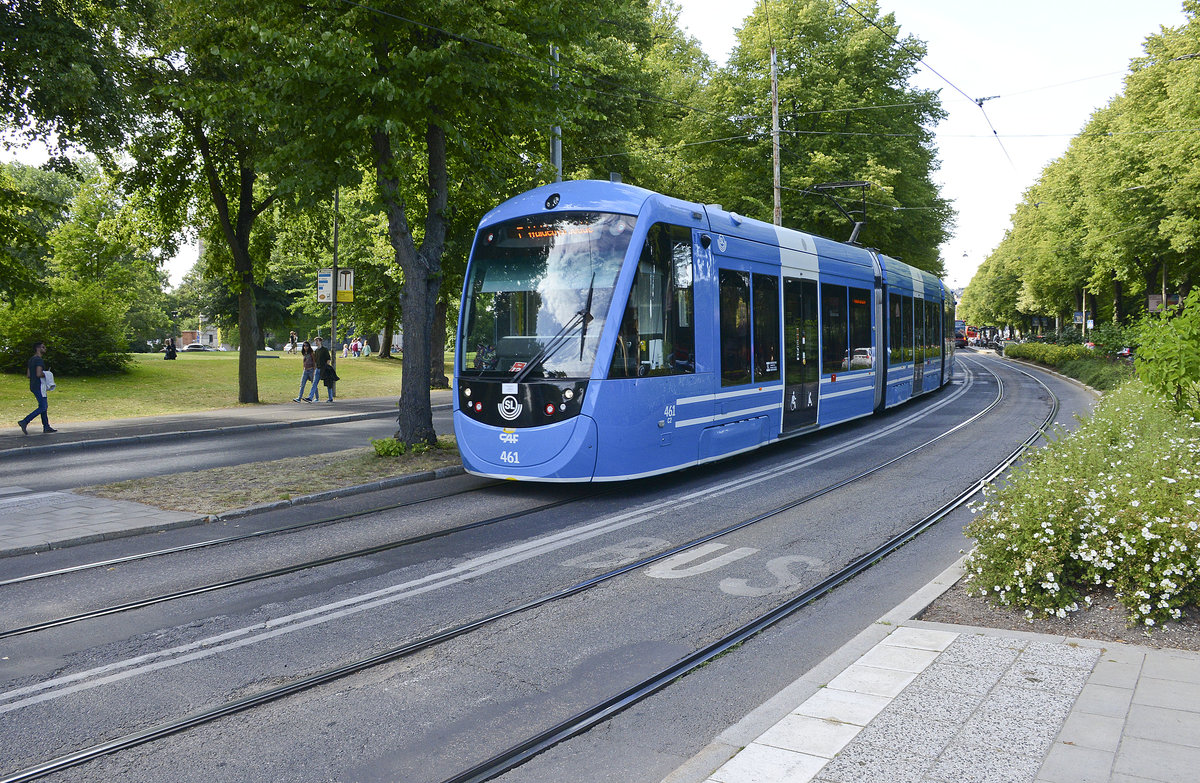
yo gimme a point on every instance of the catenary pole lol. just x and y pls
(333, 305)
(775, 136)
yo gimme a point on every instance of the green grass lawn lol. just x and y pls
(194, 381)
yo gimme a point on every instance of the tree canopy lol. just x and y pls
(239, 121)
(1115, 218)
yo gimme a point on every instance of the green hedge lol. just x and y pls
(1076, 361)
(1049, 354)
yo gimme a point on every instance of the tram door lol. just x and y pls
(802, 364)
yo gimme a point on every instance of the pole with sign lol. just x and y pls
(333, 304)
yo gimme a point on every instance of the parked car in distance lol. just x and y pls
(197, 347)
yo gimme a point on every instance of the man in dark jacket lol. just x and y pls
(322, 356)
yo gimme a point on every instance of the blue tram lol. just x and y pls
(608, 332)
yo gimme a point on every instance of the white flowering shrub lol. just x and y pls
(1115, 503)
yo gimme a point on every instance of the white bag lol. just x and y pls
(47, 382)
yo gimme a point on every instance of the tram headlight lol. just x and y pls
(467, 392)
(550, 409)
(568, 394)
(478, 407)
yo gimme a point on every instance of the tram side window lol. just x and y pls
(919, 327)
(948, 326)
(657, 335)
(862, 350)
(895, 329)
(933, 329)
(735, 327)
(766, 328)
(835, 350)
(906, 317)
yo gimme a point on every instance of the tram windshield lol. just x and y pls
(537, 294)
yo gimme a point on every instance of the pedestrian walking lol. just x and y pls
(322, 357)
(36, 372)
(291, 348)
(310, 372)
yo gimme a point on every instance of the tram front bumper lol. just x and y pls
(564, 451)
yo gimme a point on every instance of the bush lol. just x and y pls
(1109, 338)
(84, 334)
(1169, 355)
(1116, 503)
(391, 447)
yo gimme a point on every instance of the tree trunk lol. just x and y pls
(1118, 305)
(422, 276)
(437, 344)
(247, 350)
(236, 230)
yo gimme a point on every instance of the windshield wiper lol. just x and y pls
(556, 342)
(587, 315)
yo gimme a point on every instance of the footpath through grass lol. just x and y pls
(193, 382)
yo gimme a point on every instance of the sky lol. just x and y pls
(1050, 64)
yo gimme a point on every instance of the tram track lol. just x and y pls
(372, 550)
(580, 722)
(110, 562)
(520, 752)
(362, 552)
(294, 568)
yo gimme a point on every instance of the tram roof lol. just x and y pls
(621, 198)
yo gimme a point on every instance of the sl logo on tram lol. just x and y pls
(509, 408)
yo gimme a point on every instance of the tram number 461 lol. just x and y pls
(510, 457)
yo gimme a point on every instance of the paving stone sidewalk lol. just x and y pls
(916, 702)
(37, 521)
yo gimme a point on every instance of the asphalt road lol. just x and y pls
(102, 464)
(429, 715)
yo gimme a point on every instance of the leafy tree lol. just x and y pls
(205, 146)
(101, 243)
(82, 328)
(847, 113)
(15, 276)
(305, 244)
(1116, 214)
(33, 202)
(380, 88)
(57, 82)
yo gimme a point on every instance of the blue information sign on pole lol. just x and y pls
(325, 285)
